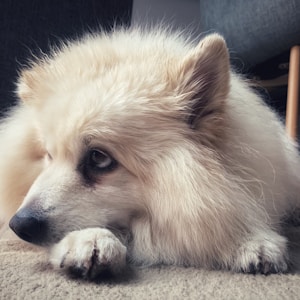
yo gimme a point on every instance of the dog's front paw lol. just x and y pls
(263, 254)
(88, 253)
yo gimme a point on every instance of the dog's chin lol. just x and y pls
(48, 240)
(44, 243)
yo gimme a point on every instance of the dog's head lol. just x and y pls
(115, 115)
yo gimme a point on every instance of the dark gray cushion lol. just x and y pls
(255, 30)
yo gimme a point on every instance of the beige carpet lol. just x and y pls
(25, 274)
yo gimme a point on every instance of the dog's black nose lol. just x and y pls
(29, 226)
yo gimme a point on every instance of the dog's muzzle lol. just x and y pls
(30, 226)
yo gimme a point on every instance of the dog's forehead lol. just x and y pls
(107, 111)
(121, 92)
(128, 99)
(119, 118)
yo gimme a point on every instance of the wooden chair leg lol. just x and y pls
(293, 92)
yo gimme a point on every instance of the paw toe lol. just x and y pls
(265, 268)
(77, 271)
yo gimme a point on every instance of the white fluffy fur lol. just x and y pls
(206, 173)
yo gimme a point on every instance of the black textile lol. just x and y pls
(29, 25)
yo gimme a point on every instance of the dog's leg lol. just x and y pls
(264, 252)
(89, 252)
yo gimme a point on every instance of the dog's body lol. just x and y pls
(141, 144)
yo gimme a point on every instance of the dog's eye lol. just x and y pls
(101, 161)
(96, 163)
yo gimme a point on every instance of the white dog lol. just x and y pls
(141, 146)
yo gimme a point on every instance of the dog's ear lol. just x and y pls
(31, 83)
(27, 83)
(204, 79)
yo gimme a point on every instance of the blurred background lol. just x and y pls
(259, 33)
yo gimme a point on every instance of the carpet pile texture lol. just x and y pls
(25, 274)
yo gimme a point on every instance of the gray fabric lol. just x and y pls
(25, 274)
(255, 30)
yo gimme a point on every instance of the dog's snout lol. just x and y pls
(29, 226)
